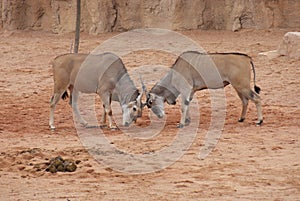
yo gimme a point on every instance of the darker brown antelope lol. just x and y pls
(104, 74)
(194, 71)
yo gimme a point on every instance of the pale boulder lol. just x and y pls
(290, 46)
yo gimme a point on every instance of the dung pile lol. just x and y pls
(58, 164)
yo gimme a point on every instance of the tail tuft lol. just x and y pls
(65, 95)
(256, 89)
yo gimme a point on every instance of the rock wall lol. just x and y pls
(58, 16)
(24, 14)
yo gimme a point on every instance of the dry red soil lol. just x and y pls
(248, 162)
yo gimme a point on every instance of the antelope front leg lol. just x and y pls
(103, 118)
(106, 100)
(75, 96)
(51, 121)
(110, 120)
(54, 100)
(184, 111)
(188, 118)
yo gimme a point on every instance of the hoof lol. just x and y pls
(103, 126)
(91, 126)
(84, 124)
(52, 128)
(187, 121)
(259, 123)
(114, 128)
(241, 119)
(180, 125)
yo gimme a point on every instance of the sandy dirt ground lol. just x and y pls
(248, 163)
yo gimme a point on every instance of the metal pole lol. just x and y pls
(77, 29)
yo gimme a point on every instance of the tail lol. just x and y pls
(65, 95)
(256, 88)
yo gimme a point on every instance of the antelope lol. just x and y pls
(194, 71)
(103, 74)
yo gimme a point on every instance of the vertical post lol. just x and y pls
(77, 29)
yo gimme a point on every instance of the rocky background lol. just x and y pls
(98, 16)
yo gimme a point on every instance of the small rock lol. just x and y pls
(270, 54)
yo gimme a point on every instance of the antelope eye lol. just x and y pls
(150, 102)
(134, 109)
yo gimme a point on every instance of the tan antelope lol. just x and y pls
(104, 74)
(194, 71)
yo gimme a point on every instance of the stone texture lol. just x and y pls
(290, 45)
(98, 16)
(120, 15)
(17, 14)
